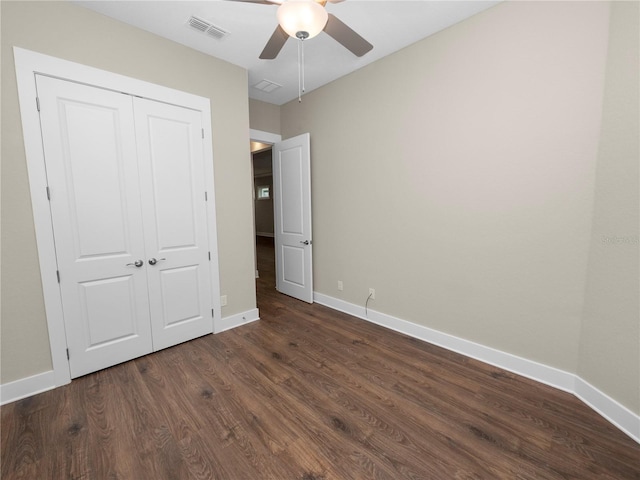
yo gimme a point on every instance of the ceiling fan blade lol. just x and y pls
(344, 35)
(275, 44)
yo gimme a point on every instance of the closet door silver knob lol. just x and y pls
(137, 263)
(153, 261)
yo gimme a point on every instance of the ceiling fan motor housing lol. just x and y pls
(302, 18)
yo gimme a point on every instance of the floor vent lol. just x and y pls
(267, 86)
(207, 28)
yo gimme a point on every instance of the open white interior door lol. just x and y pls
(292, 215)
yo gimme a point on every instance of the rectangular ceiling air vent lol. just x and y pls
(267, 86)
(207, 28)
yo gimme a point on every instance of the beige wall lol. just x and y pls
(74, 33)
(610, 341)
(264, 116)
(456, 177)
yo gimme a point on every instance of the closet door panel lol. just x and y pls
(172, 180)
(90, 154)
(171, 163)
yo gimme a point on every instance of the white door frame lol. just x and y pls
(264, 137)
(272, 139)
(269, 139)
(29, 63)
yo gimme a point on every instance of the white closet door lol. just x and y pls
(171, 165)
(90, 155)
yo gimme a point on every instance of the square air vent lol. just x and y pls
(266, 86)
(206, 27)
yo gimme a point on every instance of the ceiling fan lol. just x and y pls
(304, 19)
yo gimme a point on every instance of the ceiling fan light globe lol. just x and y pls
(302, 16)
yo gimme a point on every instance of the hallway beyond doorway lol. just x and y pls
(266, 264)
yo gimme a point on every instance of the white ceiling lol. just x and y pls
(388, 25)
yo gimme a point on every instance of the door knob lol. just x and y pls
(153, 261)
(137, 263)
(306, 242)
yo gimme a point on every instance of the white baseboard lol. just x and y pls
(25, 387)
(617, 414)
(614, 412)
(233, 321)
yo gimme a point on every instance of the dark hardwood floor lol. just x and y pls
(308, 393)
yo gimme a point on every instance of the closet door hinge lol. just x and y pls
(58, 275)
(38, 103)
(202, 130)
(68, 354)
(206, 197)
(48, 194)
(209, 256)
(212, 315)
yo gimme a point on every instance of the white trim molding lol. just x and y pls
(614, 412)
(42, 382)
(25, 387)
(233, 321)
(264, 137)
(610, 409)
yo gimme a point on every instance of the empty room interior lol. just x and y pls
(438, 279)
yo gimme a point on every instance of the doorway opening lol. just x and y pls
(264, 254)
(261, 157)
(291, 174)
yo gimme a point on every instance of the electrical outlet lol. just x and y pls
(223, 300)
(372, 293)
(340, 286)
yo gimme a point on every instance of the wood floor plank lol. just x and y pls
(308, 393)
(369, 408)
(254, 423)
(318, 428)
(276, 405)
(352, 370)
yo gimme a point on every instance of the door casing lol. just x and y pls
(268, 139)
(272, 139)
(27, 64)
